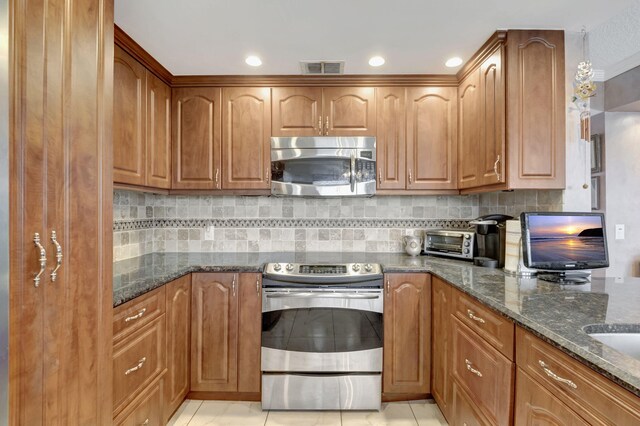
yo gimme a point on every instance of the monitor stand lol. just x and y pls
(567, 278)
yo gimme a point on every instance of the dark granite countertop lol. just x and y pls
(555, 313)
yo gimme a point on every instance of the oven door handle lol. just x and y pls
(321, 295)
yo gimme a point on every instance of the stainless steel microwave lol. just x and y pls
(323, 166)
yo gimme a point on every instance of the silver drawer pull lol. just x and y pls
(473, 316)
(137, 367)
(145, 423)
(470, 368)
(136, 316)
(42, 259)
(555, 377)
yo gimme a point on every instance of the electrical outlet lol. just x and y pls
(619, 232)
(208, 232)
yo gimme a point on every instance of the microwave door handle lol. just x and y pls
(353, 171)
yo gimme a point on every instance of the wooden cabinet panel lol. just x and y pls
(441, 345)
(135, 314)
(250, 328)
(483, 373)
(407, 334)
(431, 138)
(349, 111)
(246, 138)
(391, 140)
(214, 332)
(495, 329)
(535, 405)
(158, 142)
(536, 109)
(178, 315)
(297, 111)
(464, 412)
(597, 399)
(129, 119)
(492, 120)
(137, 361)
(469, 124)
(146, 409)
(196, 138)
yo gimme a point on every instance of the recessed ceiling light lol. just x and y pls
(254, 61)
(453, 62)
(376, 61)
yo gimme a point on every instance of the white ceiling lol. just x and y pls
(203, 37)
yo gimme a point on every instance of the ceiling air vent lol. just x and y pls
(322, 67)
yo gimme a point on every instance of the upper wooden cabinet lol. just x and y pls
(141, 125)
(391, 137)
(196, 138)
(329, 111)
(129, 119)
(246, 138)
(431, 138)
(407, 334)
(512, 114)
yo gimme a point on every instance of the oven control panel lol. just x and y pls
(323, 270)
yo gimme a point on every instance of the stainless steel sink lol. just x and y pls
(623, 338)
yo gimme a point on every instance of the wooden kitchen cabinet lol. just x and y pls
(178, 335)
(391, 137)
(469, 132)
(158, 146)
(441, 381)
(60, 179)
(225, 306)
(196, 138)
(297, 111)
(146, 408)
(431, 138)
(407, 334)
(246, 138)
(349, 111)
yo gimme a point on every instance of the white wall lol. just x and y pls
(623, 191)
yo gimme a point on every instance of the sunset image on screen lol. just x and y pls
(566, 238)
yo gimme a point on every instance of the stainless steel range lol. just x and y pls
(322, 336)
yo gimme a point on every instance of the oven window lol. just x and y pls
(322, 330)
(312, 171)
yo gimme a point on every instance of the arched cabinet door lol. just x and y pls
(129, 119)
(297, 111)
(469, 132)
(431, 138)
(390, 140)
(196, 138)
(349, 111)
(407, 334)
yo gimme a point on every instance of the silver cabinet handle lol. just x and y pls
(319, 125)
(137, 367)
(410, 178)
(472, 315)
(54, 240)
(353, 171)
(388, 287)
(326, 132)
(470, 368)
(217, 175)
(267, 176)
(555, 377)
(258, 285)
(495, 167)
(136, 316)
(233, 286)
(145, 423)
(42, 259)
(380, 176)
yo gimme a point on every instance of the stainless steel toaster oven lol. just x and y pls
(450, 243)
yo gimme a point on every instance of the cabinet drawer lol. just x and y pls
(482, 371)
(535, 405)
(137, 361)
(135, 314)
(597, 399)
(464, 411)
(146, 409)
(492, 327)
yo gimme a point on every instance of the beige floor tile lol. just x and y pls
(427, 413)
(229, 413)
(184, 413)
(303, 418)
(396, 414)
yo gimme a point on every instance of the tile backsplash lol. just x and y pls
(144, 223)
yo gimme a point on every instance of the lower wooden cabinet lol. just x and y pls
(407, 334)
(441, 346)
(145, 409)
(464, 412)
(177, 379)
(224, 305)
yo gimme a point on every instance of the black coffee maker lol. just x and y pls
(491, 232)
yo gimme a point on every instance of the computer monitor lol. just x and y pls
(559, 242)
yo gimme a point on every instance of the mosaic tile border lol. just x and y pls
(139, 224)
